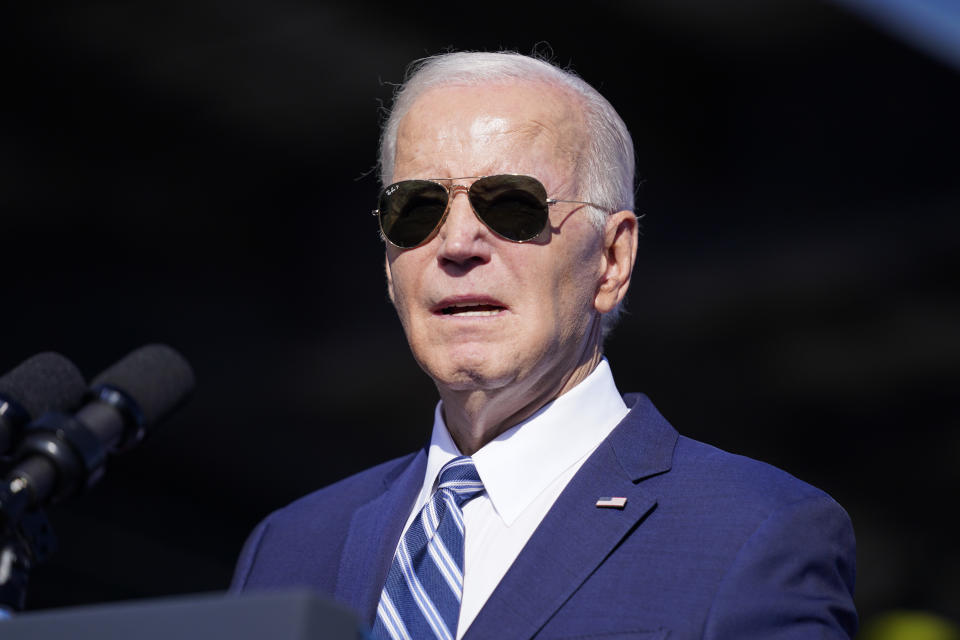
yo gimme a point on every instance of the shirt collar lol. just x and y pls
(557, 436)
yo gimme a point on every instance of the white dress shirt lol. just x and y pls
(523, 470)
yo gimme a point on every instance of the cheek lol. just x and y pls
(564, 298)
(402, 287)
(582, 268)
(578, 284)
(403, 271)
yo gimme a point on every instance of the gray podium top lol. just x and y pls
(288, 615)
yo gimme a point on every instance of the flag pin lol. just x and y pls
(616, 503)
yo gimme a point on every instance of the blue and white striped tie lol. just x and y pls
(421, 598)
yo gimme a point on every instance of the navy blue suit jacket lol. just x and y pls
(709, 545)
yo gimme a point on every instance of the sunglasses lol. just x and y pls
(514, 207)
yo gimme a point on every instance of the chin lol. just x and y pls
(469, 375)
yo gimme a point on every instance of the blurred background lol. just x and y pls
(201, 174)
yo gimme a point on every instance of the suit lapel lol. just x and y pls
(372, 539)
(576, 537)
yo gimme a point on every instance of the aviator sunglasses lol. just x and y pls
(514, 207)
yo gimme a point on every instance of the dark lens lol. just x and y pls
(514, 207)
(410, 210)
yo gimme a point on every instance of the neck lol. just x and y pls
(475, 417)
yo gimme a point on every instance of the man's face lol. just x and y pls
(482, 313)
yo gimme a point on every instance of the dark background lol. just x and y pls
(199, 173)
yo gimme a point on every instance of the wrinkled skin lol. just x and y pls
(526, 320)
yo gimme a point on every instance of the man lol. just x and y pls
(546, 505)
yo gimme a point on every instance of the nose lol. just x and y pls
(464, 240)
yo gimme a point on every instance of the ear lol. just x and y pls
(386, 268)
(619, 252)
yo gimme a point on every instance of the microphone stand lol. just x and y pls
(61, 455)
(58, 457)
(24, 544)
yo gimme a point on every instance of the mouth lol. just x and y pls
(470, 308)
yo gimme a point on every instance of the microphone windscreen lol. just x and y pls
(44, 382)
(154, 376)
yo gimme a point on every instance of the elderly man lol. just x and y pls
(546, 505)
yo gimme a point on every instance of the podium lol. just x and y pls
(286, 615)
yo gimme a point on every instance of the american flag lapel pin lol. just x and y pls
(614, 503)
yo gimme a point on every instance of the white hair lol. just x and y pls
(606, 166)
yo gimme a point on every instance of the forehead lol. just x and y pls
(516, 127)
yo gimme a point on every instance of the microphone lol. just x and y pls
(60, 455)
(41, 383)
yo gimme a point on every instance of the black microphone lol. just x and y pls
(62, 454)
(41, 383)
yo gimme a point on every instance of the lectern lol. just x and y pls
(288, 615)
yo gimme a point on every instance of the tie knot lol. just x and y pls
(460, 477)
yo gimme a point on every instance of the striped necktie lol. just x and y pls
(421, 598)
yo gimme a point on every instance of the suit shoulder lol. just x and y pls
(300, 544)
(724, 476)
(699, 476)
(785, 545)
(343, 495)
